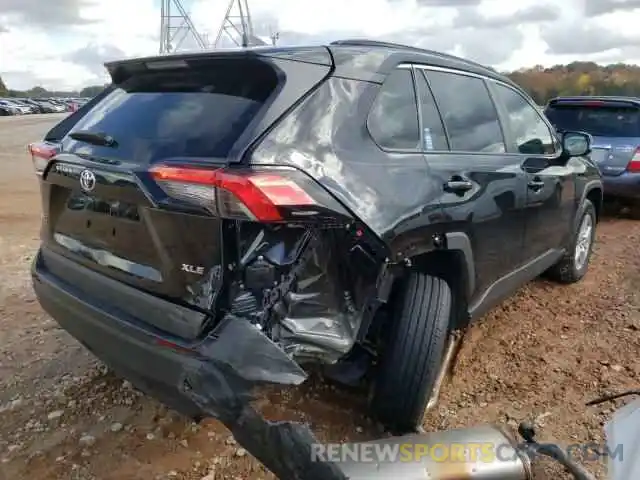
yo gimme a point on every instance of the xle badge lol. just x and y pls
(192, 269)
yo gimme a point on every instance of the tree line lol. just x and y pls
(37, 92)
(542, 83)
(579, 78)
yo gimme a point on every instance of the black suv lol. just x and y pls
(274, 207)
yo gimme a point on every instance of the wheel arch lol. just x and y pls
(595, 194)
(453, 263)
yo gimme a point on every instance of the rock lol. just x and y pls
(56, 414)
(172, 474)
(116, 427)
(184, 443)
(617, 368)
(539, 420)
(150, 436)
(231, 441)
(87, 440)
(241, 452)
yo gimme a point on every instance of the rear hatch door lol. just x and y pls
(614, 125)
(103, 209)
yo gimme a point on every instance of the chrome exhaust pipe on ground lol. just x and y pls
(478, 453)
(453, 346)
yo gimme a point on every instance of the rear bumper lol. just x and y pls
(626, 185)
(157, 364)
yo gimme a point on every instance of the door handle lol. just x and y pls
(535, 185)
(458, 185)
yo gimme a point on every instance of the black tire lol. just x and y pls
(568, 270)
(413, 355)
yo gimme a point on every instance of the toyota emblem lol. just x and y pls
(87, 180)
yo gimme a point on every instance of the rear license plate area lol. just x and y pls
(101, 207)
(103, 223)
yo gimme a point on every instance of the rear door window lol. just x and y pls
(393, 120)
(199, 113)
(600, 120)
(468, 112)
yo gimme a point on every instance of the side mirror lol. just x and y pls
(576, 144)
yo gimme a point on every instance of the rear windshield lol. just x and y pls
(604, 121)
(181, 113)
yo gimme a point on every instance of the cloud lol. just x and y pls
(506, 34)
(531, 14)
(449, 3)
(49, 13)
(583, 39)
(593, 8)
(93, 57)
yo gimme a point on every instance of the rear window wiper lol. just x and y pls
(95, 138)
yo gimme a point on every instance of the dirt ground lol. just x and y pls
(540, 355)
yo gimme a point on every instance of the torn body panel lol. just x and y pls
(221, 383)
(306, 288)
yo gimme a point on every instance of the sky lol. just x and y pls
(63, 44)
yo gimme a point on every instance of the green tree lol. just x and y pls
(92, 91)
(37, 92)
(3, 88)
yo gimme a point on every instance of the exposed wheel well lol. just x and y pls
(448, 265)
(595, 195)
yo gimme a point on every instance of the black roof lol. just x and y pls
(362, 59)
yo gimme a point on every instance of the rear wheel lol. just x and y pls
(573, 266)
(413, 355)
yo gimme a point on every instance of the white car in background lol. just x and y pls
(18, 109)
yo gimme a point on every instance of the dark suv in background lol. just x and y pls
(614, 123)
(351, 204)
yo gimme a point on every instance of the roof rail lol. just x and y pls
(377, 43)
(373, 43)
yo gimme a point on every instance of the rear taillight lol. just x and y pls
(634, 164)
(262, 196)
(41, 154)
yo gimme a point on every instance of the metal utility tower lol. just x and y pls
(175, 26)
(237, 25)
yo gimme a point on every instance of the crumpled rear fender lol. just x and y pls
(220, 380)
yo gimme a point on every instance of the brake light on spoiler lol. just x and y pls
(41, 154)
(274, 195)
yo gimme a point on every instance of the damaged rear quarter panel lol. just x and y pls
(303, 286)
(389, 193)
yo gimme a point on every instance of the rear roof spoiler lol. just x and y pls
(122, 69)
